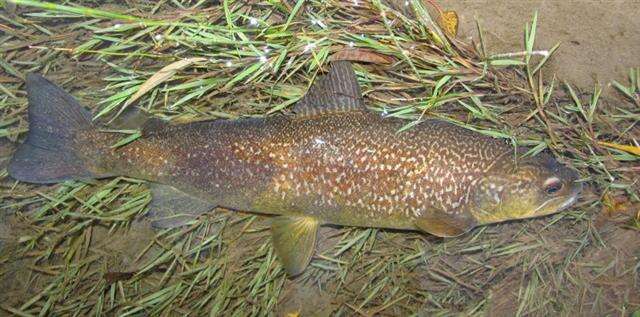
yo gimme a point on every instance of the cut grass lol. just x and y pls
(81, 251)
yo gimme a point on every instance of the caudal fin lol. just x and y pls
(48, 155)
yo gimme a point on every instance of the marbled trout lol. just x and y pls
(332, 162)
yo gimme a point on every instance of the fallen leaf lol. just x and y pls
(361, 55)
(617, 210)
(158, 78)
(162, 75)
(448, 21)
(635, 150)
(614, 204)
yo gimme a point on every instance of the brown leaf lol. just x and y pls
(361, 55)
(112, 277)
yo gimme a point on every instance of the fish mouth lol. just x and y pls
(570, 201)
(565, 202)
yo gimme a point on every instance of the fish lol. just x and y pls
(331, 161)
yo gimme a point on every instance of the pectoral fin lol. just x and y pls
(444, 225)
(170, 207)
(294, 240)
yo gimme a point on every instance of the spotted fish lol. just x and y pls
(331, 162)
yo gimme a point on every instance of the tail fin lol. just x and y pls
(55, 118)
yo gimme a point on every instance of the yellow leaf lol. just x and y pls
(448, 21)
(613, 204)
(159, 77)
(635, 150)
(293, 314)
(162, 75)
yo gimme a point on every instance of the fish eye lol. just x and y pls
(552, 186)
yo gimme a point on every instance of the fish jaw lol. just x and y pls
(565, 203)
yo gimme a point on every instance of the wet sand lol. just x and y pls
(600, 40)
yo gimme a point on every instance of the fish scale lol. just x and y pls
(368, 175)
(330, 162)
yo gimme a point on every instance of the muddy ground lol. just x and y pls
(585, 264)
(599, 38)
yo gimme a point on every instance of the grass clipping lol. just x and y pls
(84, 248)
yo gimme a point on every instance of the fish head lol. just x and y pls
(530, 187)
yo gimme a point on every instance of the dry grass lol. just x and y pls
(80, 248)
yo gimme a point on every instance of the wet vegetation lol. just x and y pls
(84, 248)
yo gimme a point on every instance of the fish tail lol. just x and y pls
(50, 152)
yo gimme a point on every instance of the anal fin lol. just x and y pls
(171, 207)
(294, 240)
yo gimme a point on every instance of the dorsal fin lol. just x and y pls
(337, 91)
